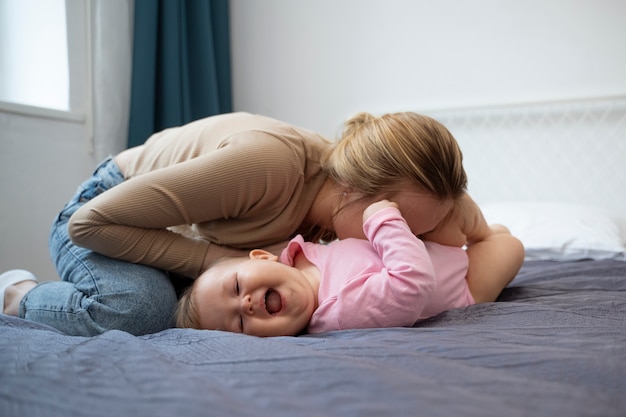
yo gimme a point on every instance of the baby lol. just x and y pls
(391, 279)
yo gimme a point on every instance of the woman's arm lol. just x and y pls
(130, 221)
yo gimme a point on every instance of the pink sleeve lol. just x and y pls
(397, 294)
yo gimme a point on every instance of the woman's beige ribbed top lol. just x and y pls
(240, 180)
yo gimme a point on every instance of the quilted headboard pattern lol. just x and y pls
(570, 151)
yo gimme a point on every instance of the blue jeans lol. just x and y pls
(97, 293)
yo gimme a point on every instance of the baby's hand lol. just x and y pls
(377, 206)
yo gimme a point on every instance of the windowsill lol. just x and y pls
(42, 112)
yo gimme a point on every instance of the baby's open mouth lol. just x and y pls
(273, 304)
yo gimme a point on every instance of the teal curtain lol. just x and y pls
(181, 64)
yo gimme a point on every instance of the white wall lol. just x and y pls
(316, 62)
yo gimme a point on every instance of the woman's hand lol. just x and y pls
(376, 207)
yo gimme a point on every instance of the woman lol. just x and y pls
(218, 187)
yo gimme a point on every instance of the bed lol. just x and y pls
(554, 344)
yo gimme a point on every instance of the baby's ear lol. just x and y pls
(263, 254)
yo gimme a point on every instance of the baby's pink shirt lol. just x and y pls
(391, 279)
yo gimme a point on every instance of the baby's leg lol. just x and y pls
(493, 263)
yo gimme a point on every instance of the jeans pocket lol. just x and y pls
(89, 190)
(85, 192)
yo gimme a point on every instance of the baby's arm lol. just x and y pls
(495, 256)
(407, 280)
(464, 225)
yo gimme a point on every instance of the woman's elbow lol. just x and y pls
(79, 227)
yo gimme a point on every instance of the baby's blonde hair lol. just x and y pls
(186, 311)
(376, 155)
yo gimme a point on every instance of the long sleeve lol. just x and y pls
(391, 291)
(233, 184)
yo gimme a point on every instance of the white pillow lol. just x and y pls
(559, 231)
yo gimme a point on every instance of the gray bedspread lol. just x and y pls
(553, 345)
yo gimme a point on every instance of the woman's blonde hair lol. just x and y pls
(377, 155)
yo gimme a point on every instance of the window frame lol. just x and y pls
(79, 48)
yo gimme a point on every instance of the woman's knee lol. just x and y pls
(148, 308)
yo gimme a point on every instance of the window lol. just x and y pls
(34, 67)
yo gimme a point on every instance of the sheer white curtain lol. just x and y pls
(111, 29)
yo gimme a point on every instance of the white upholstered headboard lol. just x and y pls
(569, 151)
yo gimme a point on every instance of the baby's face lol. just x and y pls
(257, 295)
